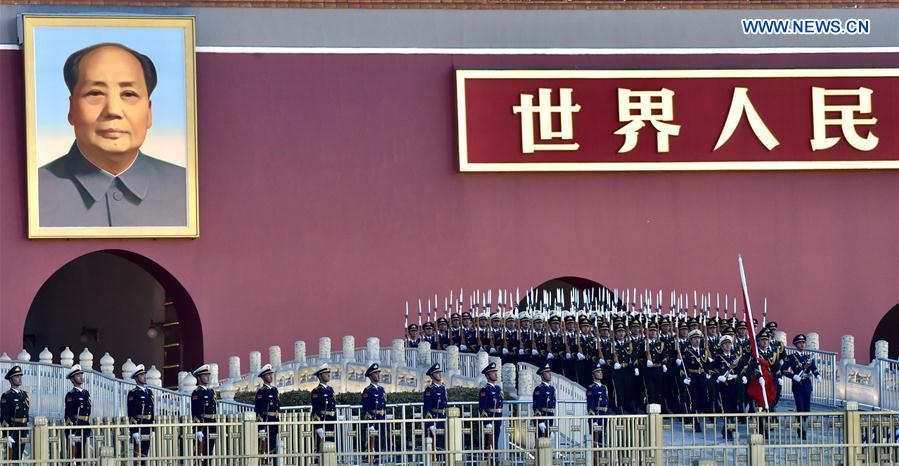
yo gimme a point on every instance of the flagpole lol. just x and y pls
(755, 347)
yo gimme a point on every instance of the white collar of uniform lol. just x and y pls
(320, 384)
(77, 389)
(266, 385)
(204, 387)
(545, 383)
(491, 383)
(372, 384)
(14, 389)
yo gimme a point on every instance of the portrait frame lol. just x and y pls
(179, 126)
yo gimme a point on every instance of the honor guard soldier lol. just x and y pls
(374, 408)
(469, 335)
(203, 410)
(267, 406)
(490, 405)
(696, 377)
(455, 329)
(141, 410)
(597, 406)
(801, 367)
(511, 341)
(587, 353)
(324, 406)
(544, 401)
(444, 338)
(775, 364)
(497, 336)
(656, 365)
(729, 367)
(77, 412)
(434, 404)
(14, 407)
(555, 351)
(413, 339)
(483, 335)
(430, 335)
(538, 342)
(570, 339)
(624, 370)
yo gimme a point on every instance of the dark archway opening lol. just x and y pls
(567, 285)
(888, 330)
(117, 302)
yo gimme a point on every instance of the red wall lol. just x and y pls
(329, 196)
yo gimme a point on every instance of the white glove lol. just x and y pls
(200, 436)
(709, 359)
(505, 351)
(433, 430)
(549, 356)
(521, 352)
(720, 379)
(602, 362)
(818, 377)
(636, 371)
(762, 381)
(649, 363)
(463, 347)
(136, 437)
(534, 352)
(687, 381)
(744, 380)
(567, 355)
(796, 378)
(320, 432)
(542, 427)
(492, 350)
(708, 376)
(10, 442)
(679, 362)
(581, 357)
(595, 426)
(371, 428)
(617, 366)
(664, 368)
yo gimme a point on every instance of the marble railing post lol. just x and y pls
(234, 368)
(274, 356)
(255, 362)
(5, 357)
(847, 350)
(507, 379)
(812, 340)
(373, 348)
(228, 390)
(324, 349)
(128, 369)
(781, 336)
(398, 352)
(67, 357)
(349, 348)
(213, 375)
(424, 354)
(154, 377)
(86, 359)
(23, 356)
(482, 359)
(107, 365)
(299, 352)
(186, 382)
(452, 361)
(881, 349)
(46, 357)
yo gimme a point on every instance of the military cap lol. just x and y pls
(490, 368)
(727, 338)
(665, 321)
(554, 319)
(466, 315)
(682, 324)
(266, 369)
(413, 327)
(799, 338)
(604, 325)
(741, 325)
(652, 326)
(510, 319)
(569, 319)
(372, 369)
(763, 335)
(525, 318)
(14, 371)
(434, 369)
(427, 325)
(583, 320)
(728, 330)
(202, 370)
(140, 369)
(771, 324)
(693, 322)
(482, 317)
(694, 334)
(538, 319)
(619, 327)
(76, 369)
(635, 323)
(455, 316)
(442, 320)
(544, 368)
(323, 369)
(496, 317)
(712, 323)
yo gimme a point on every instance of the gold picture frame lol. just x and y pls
(81, 198)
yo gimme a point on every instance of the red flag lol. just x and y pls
(761, 396)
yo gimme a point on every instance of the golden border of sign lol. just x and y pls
(466, 166)
(187, 24)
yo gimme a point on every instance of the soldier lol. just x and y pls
(77, 412)
(801, 367)
(324, 406)
(430, 335)
(656, 365)
(483, 334)
(455, 330)
(141, 410)
(538, 343)
(490, 405)
(512, 341)
(444, 337)
(14, 407)
(544, 401)
(374, 408)
(435, 404)
(743, 346)
(624, 370)
(696, 377)
(555, 348)
(469, 335)
(570, 340)
(525, 340)
(204, 410)
(589, 353)
(413, 339)
(775, 364)
(268, 409)
(605, 360)
(729, 367)
(598, 406)
(497, 337)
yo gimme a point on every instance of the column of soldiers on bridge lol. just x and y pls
(686, 364)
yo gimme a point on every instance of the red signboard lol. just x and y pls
(608, 120)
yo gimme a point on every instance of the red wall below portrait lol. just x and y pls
(329, 195)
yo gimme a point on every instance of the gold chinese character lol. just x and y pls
(545, 111)
(656, 107)
(739, 105)
(846, 120)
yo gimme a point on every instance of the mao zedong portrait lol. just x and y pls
(105, 180)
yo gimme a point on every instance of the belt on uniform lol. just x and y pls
(379, 412)
(145, 417)
(208, 416)
(20, 419)
(327, 413)
(548, 410)
(272, 414)
(497, 410)
(438, 411)
(82, 418)
(695, 371)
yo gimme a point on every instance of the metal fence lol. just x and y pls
(888, 371)
(835, 438)
(824, 392)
